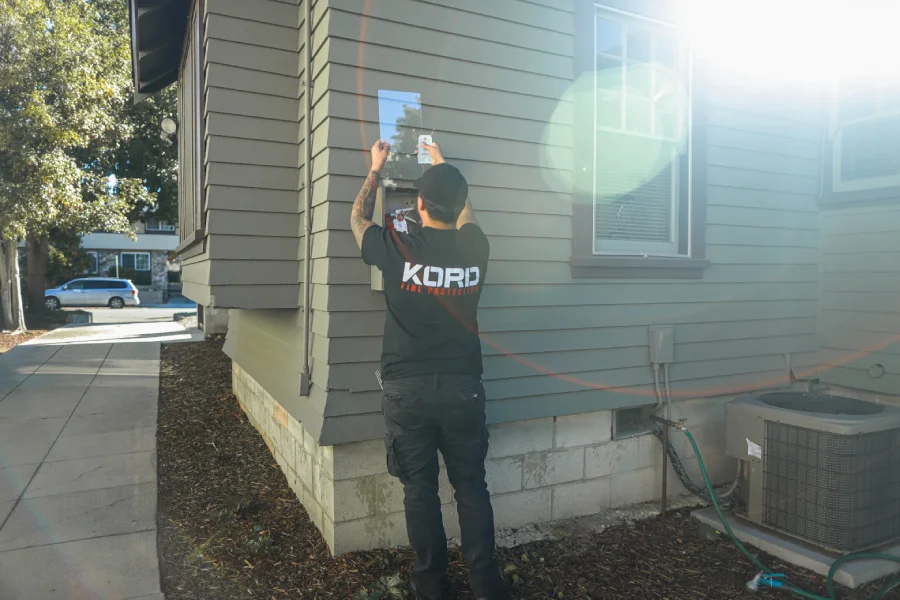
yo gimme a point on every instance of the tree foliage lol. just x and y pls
(66, 259)
(77, 154)
(64, 83)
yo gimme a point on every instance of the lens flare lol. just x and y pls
(640, 124)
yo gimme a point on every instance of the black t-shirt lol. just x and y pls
(432, 284)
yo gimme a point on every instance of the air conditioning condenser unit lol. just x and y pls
(824, 469)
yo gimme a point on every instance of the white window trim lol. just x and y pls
(160, 225)
(836, 131)
(136, 254)
(96, 263)
(636, 248)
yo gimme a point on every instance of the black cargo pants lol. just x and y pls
(445, 412)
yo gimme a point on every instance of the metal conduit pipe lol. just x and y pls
(306, 375)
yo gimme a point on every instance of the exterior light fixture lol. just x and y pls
(169, 126)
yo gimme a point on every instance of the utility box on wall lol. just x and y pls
(389, 200)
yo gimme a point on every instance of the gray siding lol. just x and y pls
(256, 169)
(189, 122)
(554, 345)
(860, 297)
(195, 268)
(254, 152)
(268, 344)
(251, 210)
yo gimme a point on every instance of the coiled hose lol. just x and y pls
(710, 494)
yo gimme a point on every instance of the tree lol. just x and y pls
(66, 259)
(146, 156)
(67, 123)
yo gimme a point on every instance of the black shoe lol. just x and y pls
(498, 589)
(421, 591)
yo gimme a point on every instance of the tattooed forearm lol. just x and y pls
(364, 208)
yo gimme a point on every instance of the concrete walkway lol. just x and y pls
(78, 464)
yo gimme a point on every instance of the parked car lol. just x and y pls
(115, 293)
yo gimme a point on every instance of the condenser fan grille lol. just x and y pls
(841, 492)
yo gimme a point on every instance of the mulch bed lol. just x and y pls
(8, 341)
(231, 528)
(38, 324)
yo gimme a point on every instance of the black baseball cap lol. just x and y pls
(444, 185)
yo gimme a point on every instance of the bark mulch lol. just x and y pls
(38, 324)
(230, 527)
(8, 341)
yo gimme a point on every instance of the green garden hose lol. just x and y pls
(759, 565)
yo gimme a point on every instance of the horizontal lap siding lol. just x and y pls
(255, 169)
(554, 345)
(195, 277)
(254, 152)
(195, 260)
(860, 298)
(268, 344)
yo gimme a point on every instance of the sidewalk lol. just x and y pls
(78, 466)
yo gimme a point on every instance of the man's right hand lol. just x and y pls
(435, 151)
(380, 152)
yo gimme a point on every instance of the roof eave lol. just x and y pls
(158, 29)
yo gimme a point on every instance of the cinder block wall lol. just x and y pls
(537, 471)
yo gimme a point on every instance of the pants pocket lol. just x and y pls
(472, 395)
(390, 447)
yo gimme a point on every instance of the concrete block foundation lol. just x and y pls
(213, 321)
(538, 471)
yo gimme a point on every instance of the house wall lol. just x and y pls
(538, 470)
(860, 298)
(255, 197)
(157, 291)
(560, 353)
(248, 247)
(490, 80)
(189, 122)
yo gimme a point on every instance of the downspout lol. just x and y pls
(306, 374)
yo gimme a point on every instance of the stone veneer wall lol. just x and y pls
(159, 270)
(158, 290)
(537, 471)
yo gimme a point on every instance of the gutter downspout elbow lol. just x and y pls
(306, 374)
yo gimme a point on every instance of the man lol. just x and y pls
(431, 369)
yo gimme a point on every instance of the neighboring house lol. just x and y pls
(144, 260)
(713, 217)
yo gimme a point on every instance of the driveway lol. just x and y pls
(78, 460)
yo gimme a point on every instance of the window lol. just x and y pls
(640, 116)
(94, 263)
(158, 225)
(866, 137)
(105, 284)
(139, 261)
(78, 284)
(638, 214)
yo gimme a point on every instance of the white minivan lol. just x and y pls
(114, 293)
